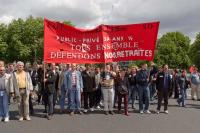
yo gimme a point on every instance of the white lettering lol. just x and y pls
(52, 55)
(90, 40)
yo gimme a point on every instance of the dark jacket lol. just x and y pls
(160, 85)
(132, 79)
(142, 78)
(153, 71)
(52, 81)
(175, 81)
(182, 82)
(34, 77)
(122, 85)
(153, 74)
(88, 81)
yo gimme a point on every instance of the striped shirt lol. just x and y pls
(74, 78)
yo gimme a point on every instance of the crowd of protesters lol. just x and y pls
(83, 89)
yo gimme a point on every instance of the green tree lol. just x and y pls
(173, 49)
(23, 39)
(3, 44)
(195, 51)
(33, 37)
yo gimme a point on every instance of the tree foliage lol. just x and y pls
(195, 51)
(173, 49)
(22, 40)
(3, 44)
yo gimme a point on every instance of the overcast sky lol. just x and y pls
(174, 15)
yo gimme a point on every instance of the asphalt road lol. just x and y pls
(179, 120)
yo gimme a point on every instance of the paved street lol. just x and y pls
(179, 120)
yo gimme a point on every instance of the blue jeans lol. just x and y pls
(181, 100)
(185, 90)
(75, 99)
(4, 104)
(62, 98)
(152, 89)
(132, 95)
(144, 97)
(68, 99)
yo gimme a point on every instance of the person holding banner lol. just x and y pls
(88, 77)
(142, 79)
(50, 81)
(133, 88)
(74, 84)
(97, 93)
(122, 86)
(107, 85)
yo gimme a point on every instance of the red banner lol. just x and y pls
(105, 43)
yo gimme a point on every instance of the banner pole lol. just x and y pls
(44, 74)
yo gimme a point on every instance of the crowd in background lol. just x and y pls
(80, 89)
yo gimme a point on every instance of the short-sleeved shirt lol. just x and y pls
(195, 78)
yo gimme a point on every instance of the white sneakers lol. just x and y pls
(21, 118)
(92, 109)
(85, 110)
(147, 112)
(26, 118)
(6, 119)
(166, 112)
(98, 107)
(158, 112)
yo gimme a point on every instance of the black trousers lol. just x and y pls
(176, 93)
(97, 97)
(31, 105)
(162, 95)
(50, 105)
(115, 97)
(88, 97)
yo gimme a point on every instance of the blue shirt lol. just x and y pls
(195, 78)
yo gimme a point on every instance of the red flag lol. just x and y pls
(105, 43)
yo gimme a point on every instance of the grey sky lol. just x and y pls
(174, 15)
